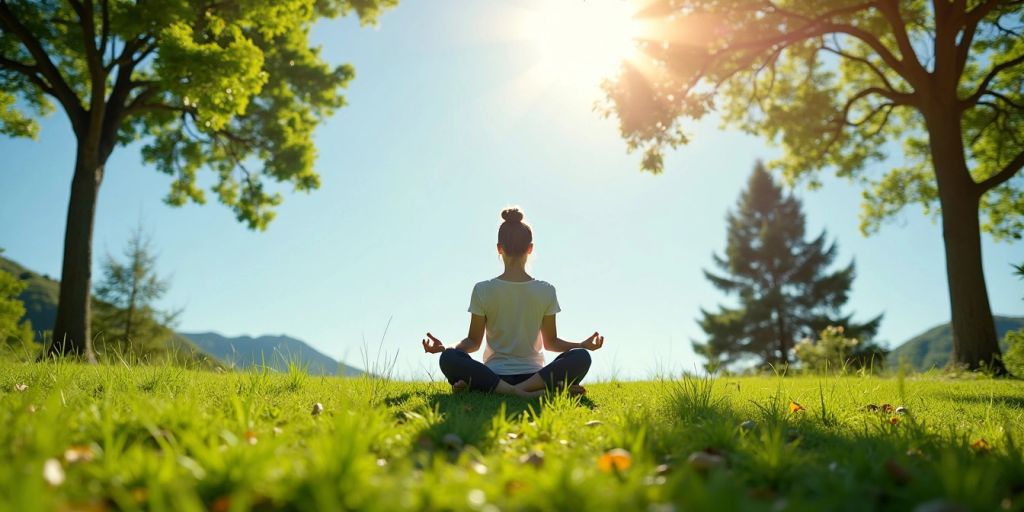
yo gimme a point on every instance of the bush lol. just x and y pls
(1014, 357)
(834, 351)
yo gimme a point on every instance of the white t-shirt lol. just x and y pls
(513, 312)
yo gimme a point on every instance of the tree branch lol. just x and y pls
(60, 89)
(891, 12)
(864, 61)
(1003, 175)
(998, 68)
(29, 72)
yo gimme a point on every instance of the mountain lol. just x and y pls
(273, 351)
(203, 349)
(934, 347)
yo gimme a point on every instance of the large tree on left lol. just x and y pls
(229, 85)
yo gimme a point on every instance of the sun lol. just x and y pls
(580, 42)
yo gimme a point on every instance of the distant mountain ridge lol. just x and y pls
(41, 295)
(934, 347)
(273, 351)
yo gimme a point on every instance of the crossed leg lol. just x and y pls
(463, 372)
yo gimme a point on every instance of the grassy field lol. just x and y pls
(75, 437)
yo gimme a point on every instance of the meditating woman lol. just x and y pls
(517, 312)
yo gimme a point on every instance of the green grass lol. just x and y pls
(162, 438)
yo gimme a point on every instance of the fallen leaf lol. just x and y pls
(901, 410)
(894, 420)
(223, 504)
(512, 435)
(78, 453)
(888, 408)
(615, 459)
(981, 446)
(593, 423)
(795, 407)
(53, 472)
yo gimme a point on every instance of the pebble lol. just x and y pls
(452, 441)
(53, 472)
(704, 461)
(901, 410)
(534, 458)
(748, 425)
(318, 408)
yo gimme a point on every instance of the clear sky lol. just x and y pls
(455, 114)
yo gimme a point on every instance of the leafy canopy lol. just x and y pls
(840, 84)
(226, 85)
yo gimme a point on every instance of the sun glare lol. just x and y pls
(580, 42)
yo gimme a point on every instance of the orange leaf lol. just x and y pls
(981, 446)
(617, 459)
(795, 407)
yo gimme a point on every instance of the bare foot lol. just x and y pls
(459, 386)
(577, 390)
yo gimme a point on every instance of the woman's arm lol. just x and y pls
(475, 338)
(549, 333)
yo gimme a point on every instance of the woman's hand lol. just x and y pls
(432, 345)
(594, 342)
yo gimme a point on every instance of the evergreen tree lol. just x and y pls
(125, 316)
(784, 288)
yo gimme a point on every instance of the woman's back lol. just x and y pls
(513, 312)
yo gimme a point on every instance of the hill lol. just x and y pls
(273, 351)
(40, 298)
(934, 347)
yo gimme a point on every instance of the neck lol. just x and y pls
(515, 269)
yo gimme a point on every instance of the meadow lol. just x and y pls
(106, 437)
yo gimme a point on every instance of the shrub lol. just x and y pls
(1014, 357)
(834, 351)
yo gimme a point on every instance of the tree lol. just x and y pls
(13, 330)
(837, 84)
(784, 289)
(128, 292)
(222, 85)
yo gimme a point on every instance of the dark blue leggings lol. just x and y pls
(569, 367)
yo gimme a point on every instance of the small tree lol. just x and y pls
(782, 282)
(127, 293)
(834, 351)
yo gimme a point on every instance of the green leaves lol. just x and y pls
(840, 85)
(233, 87)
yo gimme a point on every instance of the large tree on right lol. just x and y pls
(839, 85)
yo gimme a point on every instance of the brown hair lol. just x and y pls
(514, 235)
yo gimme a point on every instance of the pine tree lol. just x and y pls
(125, 316)
(784, 288)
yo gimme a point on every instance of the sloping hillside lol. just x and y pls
(273, 351)
(934, 347)
(40, 296)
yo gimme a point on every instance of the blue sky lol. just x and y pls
(450, 120)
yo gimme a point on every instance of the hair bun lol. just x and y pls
(512, 215)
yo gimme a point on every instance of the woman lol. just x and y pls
(518, 314)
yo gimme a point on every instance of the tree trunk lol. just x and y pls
(72, 328)
(975, 345)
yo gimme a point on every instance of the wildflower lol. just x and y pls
(53, 473)
(617, 459)
(795, 407)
